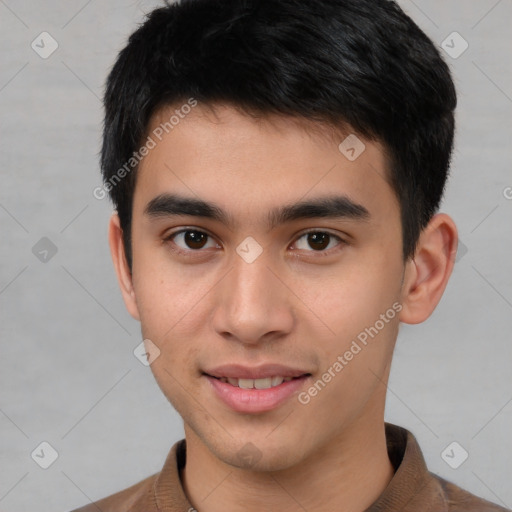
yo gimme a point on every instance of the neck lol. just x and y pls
(348, 473)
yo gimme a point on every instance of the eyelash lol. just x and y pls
(178, 250)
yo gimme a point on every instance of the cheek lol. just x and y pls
(168, 296)
(170, 315)
(360, 306)
(354, 297)
(361, 311)
(175, 369)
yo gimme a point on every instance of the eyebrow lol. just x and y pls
(335, 207)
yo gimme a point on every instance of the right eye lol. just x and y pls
(188, 240)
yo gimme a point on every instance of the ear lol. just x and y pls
(124, 277)
(427, 273)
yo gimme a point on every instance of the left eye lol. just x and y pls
(318, 240)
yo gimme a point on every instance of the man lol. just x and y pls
(276, 167)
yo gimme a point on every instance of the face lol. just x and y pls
(235, 292)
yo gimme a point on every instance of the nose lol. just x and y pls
(254, 304)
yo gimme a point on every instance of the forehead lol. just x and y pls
(229, 157)
(233, 123)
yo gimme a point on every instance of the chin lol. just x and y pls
(259, 457)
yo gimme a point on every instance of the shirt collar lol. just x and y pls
(412, 487)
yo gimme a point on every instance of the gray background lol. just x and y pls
(68, 375)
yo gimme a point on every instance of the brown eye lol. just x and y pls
(189, 240)
(317, 240)
(195, 239)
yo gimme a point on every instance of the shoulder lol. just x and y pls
(460, 500)
(139, 497)
(160, 491)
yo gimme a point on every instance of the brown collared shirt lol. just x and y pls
(412, 489)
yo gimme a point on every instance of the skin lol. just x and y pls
(292, 305)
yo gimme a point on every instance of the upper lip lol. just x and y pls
(237, 371)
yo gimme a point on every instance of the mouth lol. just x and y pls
(263, 383)
(255, 390)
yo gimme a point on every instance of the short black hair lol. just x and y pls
(361, 63)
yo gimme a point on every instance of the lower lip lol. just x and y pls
(255, 400)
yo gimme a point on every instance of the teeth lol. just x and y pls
(263, 383)
(246, 383)
(267, 382)
(277, 380)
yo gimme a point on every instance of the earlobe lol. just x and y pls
(124, 277)
(428, 272)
